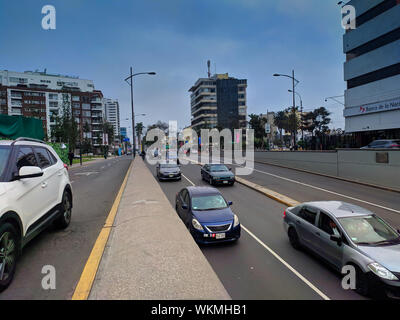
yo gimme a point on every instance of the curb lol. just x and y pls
(333, 177)
(84, 286)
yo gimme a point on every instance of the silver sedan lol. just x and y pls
(344, 234)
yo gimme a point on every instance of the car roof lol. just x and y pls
(202, 191)
(340, 209)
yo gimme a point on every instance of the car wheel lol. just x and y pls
(362, 285)
(9, 245)
(294, 239)
(66, 206)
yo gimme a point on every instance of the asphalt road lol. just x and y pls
(95, 186)
(262, 265)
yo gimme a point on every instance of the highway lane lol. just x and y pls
(247, 269)
(302, 186)
(95, 186)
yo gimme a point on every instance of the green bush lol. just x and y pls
(62, 153)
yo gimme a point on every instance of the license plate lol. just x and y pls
(226, 181)
(171, 175)
(220, 236)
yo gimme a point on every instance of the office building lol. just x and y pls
(218, 101)
(372, 71)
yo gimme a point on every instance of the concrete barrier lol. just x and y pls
(375, 167)
(150, 254)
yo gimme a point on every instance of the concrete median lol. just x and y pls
(150, 254)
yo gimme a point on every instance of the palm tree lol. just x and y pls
(139, 130)
(281, 122)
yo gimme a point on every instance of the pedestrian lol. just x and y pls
(71, 157)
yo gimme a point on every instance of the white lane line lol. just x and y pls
(278, 257)
(188, 180)
(324, 190)
(308, 283)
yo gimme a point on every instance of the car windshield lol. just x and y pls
(369, 230)
(168, 165)
(218, 168)
(4, 153)
(209, 203)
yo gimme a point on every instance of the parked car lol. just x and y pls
(207, 215)
(168, 171)
(35, 192)
(345, 234)
(383, 144)
(217, 174)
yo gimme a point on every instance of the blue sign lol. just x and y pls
(126, 139)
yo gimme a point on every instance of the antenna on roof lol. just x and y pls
(208, 67)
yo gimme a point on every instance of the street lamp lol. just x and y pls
(133, 112)
(334, 98)
(301, 112)
(295, 82)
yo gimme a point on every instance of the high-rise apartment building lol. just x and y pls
(44, 96)
(218, 102)
(112, 115)
(372, 71)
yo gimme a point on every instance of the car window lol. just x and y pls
(368, 229)
(328, 225)
(26, 158)
(184, 196)
(4, 154)
(44, 158)
(213, 202)
(52, 157)
(309, 214)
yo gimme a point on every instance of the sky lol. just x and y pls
(250, 39)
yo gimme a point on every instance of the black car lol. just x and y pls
(217, 174)
(383, 144)
(168, 171)
(207, 215)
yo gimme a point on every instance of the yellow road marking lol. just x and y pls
(86, 280)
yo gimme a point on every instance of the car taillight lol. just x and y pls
(65, 166)
(395, 146)
(284, 213)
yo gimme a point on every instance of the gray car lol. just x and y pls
(168, 171)
(345, 234)
(383, 144)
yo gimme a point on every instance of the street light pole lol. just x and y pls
(301, 112)
(294, 83)
(133, 111)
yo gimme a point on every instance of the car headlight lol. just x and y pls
(381, 271)
(235, 221)
(197, 225)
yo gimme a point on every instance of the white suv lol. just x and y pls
(35, 191)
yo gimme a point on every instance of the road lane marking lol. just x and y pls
(279, 258)
(88, 275)
(324, 190)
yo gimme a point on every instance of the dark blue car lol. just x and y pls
(207, 215)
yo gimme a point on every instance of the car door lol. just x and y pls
(329, 249)
(306, 226)
(180, 199)
(51, 183)
(27, 194)
(186, 213)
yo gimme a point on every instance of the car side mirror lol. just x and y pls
(336, 238)
(230, 203)
(29, 172)
(398, 231)
(184, 206)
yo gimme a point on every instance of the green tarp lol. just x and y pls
(13, 127)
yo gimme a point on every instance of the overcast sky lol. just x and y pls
(251, 39)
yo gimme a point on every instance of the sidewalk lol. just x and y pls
(150, 254)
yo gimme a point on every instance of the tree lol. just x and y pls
(66, 128)
(257, 123)
(281, 122)
(108, 129)
(321, 120)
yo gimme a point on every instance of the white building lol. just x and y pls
(43, 96)
(112, 115)
(372, 71)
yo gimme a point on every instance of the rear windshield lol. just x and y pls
(4, 154)
(168, 165)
